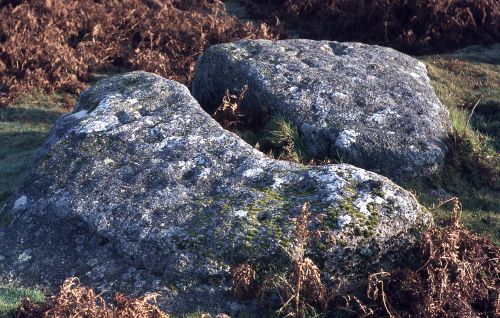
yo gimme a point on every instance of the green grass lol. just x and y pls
(468, 83)
(284, 137)
(23, 129)
(10, 298)
(279, 139)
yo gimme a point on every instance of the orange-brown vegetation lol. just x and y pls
(78, 301)
(56, 45)
(456, 274)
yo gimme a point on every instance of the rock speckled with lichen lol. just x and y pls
(140, 190)
(366, 105)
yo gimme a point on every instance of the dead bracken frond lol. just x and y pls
(228, 114)
(300, 287)
(243, 282)
(302, 291)
(77, 301)
(458, 276)
(58, 45)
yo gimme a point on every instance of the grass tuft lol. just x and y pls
(11, 298)
(284, 140)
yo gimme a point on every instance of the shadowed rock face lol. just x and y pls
(371, 106)
(139, 190)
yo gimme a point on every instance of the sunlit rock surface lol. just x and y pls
(366, 105)
(140, 190)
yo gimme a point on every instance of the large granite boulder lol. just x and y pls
(366, 105)
(138, 189)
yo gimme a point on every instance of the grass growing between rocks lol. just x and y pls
(279, 139)
(273, 135)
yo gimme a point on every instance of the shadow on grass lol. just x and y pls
(27, 115)
(16, 156)
(486, 120)
(23, 129)
(489, 54)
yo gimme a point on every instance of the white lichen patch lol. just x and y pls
(240, 213)
(79, 115)
(344, 220)
(93, 126)
(205, 173)
(102, 118)
(184, 165)
(199, 160)
(278, 182)
(381, 117)
(415, 75)
(365, 200)
(132, 101)
(171, 142)
(20, 202)
(24, 257)
(338, 95)
(331, 182)
(253, 172)
(404, 206)
(109, 161)
(360, 175)
(346, 138)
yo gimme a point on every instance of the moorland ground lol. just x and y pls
(40, 88)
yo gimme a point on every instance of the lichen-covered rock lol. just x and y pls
(371, 106)
(138, 189)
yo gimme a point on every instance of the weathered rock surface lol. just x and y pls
(371, 106)
(139, 190)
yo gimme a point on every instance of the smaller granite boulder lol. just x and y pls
(366, 105)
